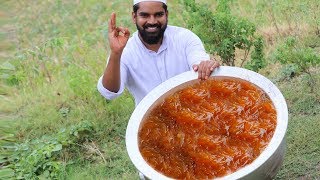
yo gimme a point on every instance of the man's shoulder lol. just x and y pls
(179, 35)
(178, 32)
(176, 29)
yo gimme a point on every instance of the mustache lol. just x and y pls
(152, 26)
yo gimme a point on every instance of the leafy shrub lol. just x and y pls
(258, 60)
(296, 54)
(292, 52)
(289, 71)
(40, 158)
(221, 32)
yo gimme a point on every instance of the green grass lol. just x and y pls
(53, 52)
(302, 158)
(303, 146)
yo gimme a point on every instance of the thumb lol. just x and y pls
(195, 67)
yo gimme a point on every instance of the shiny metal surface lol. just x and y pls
(264, 167)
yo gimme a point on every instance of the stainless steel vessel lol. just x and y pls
(264, 167)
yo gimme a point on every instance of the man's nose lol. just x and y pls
(152, 20)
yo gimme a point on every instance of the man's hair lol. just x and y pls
(136, 7)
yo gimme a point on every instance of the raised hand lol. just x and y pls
(118, 36)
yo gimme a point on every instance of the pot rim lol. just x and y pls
(253, 77)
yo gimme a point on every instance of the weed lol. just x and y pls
(41, 157)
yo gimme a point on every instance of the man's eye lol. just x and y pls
(159, 14)
(144, 15)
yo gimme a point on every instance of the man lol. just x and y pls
(155, 53)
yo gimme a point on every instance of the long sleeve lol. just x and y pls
(111, 95)
(195, 49)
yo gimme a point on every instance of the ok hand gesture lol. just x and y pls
(118, 36)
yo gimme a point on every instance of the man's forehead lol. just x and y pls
(150, 7)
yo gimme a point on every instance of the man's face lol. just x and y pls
(151, 20)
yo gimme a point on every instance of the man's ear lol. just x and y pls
(134, 17)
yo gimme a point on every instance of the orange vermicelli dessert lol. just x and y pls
(207, 129)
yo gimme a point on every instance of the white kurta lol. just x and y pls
(143, 69)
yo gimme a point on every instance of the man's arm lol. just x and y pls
(198, 58)
(111, 78)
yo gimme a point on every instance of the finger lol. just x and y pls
(201, 71)
(195, 67)
(116, 32)
(124, 31)
(203, 74)
(215, 65)
(112, 22)
(208, 67)
(121, 29)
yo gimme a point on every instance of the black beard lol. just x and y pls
(151, 37)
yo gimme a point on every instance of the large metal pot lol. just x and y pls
(264, 167)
